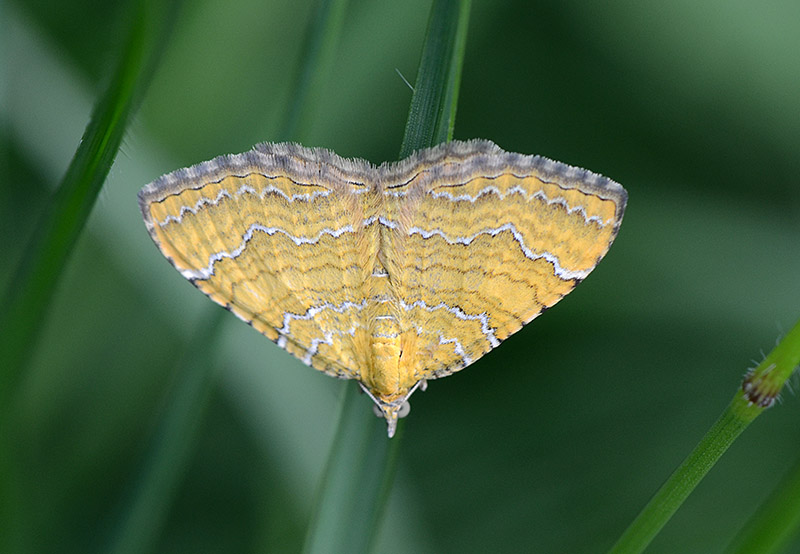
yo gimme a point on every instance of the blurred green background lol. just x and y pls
(551, 443)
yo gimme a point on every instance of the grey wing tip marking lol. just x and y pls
(143, 198)
(295, 160)
(573, 176)
(287, 154)
(284, 159)
(181, 179)
(486, 154)
(583, 179)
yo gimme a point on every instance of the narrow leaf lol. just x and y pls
(758, 392)
(358, 475)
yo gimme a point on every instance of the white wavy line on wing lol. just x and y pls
(208, 271)
(539, 194)
(550, 257)
(312, 312)
(244, 189)
(458, 348)
(313, 348)
(460, 314)
(193, 209)
(284, 339)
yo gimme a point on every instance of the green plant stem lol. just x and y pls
(360, 468)
(775, 523)
(432, 115)
(356, 483)
(32, 287)
(758, 393)
(683, 481)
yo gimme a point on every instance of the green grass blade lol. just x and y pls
(33, 284)
(319, 47)
(24, 304)
(759, 391)
(357, 478)
(432, 115)
(144, 509)
(776, 522)
(356, 481)
(4, 92)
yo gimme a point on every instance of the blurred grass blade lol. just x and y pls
(4, 92)
(432, 115)
(360, 469)
(32, 287)
(357, 479)
(759, 391)
(777, 521)
(311, 78)
(144, 509)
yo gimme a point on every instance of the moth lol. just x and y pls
(391, 275)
